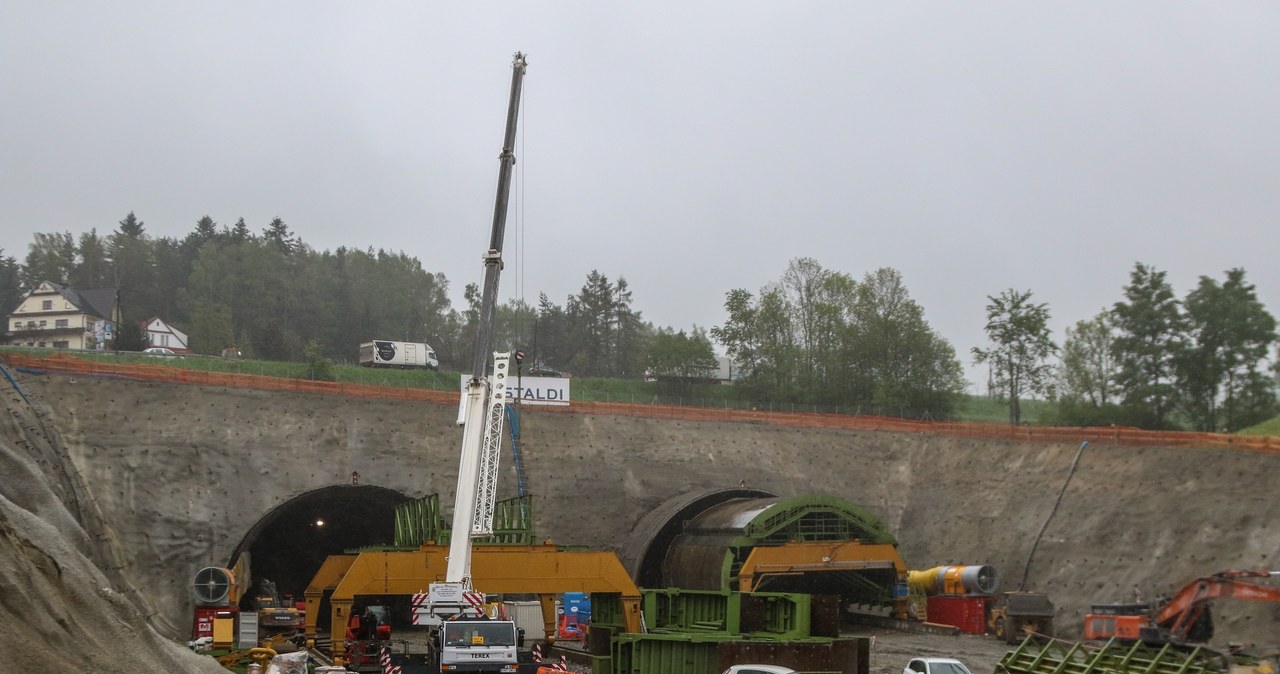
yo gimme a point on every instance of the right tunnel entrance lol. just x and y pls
(747, 540)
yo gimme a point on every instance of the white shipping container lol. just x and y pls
(527, 615)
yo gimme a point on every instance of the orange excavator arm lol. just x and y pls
(1182, 611)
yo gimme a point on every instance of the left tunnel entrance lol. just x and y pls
(288, 545)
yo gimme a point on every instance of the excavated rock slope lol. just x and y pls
(178, 475)
(66, 604)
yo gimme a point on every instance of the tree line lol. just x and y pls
(274, 297)
(813, 337)
(1151, 360)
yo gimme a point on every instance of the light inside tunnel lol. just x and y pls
(289, 544)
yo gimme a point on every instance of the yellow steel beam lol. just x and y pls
(495, 569)
(331, 572)
(794, 557)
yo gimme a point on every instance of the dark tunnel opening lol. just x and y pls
(288, 545)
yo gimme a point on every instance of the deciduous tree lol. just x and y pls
(898, 361)
(1021, 347)
(1221, 368)
(821, 337)
(1088, 362)
(680, 360)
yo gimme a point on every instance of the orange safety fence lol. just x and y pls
(1113, 435)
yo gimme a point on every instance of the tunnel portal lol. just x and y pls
(289, 543)
(751, 540)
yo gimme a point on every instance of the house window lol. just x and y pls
(41, 344)
(31, 324)
(164, 340)
(62, 345)
(43, 323)
(46, 305)
(60, 323)
(17, 325)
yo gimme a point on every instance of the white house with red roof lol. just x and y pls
(159, 333)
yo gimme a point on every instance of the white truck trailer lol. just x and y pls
(388, 353)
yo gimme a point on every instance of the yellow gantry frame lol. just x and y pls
(545, 570)
(795, 558)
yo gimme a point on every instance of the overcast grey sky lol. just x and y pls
(688, 147)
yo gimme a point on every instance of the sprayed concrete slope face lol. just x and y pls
(64, 605)
(187, 477)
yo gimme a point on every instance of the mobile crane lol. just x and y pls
(1182, 618)
(463, 638)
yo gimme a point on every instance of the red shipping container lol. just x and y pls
(966, 611)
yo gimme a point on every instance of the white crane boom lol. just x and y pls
(481, 410)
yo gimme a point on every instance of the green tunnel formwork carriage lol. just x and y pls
(755, 542)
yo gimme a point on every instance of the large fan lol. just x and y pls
(213, 586)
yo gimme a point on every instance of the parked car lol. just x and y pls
(935, 666)
(541, 371)
(160, 351)
(759, 669)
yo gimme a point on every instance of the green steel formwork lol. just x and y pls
(422, 521)
(777, 615)
(599, 663)
(666, 653)
(606, 611)
(816, 518)
(692, 610)
(419, 521)
(710, 653)
(807, 519)
(772, 615)
(1037, 655)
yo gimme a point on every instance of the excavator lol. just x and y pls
(1183, 618)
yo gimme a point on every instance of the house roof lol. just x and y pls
(96, 301)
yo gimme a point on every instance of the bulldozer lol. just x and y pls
(1016, 614)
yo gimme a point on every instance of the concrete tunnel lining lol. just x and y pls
(645, 548)
(696, 540)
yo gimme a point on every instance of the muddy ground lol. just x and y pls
(891, 649)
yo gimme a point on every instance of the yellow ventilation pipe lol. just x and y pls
(978, 579)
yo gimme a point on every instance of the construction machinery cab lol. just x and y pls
(267, 596)
(1014, 614)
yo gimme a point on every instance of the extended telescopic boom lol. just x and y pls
(481, 411)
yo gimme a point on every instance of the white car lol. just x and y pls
(759, 669)
(159, 351)
(935, 666)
